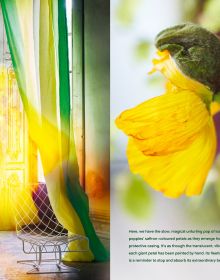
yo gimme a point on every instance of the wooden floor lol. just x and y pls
(11, 251)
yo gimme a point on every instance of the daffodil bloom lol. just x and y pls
(172, 138)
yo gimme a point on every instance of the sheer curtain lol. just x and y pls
(37, 36)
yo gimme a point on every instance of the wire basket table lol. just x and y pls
(41, 234)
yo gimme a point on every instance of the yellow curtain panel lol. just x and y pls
(37, 37)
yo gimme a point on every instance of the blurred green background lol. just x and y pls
(137, 199)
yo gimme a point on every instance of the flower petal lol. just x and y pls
(165, 124)
(167, 66)
(177, 173)
(214, 108)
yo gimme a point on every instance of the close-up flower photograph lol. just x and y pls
(165, 140)
(109, 139)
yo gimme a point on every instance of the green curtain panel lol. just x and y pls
(37, 36)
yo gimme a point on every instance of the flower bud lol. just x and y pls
(195, 50)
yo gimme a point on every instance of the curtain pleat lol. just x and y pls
(39, 51)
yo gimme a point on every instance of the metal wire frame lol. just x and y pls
(53, 248)
(43, 236)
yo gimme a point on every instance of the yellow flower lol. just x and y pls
(172, 140)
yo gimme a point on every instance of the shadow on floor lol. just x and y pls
(11, 251)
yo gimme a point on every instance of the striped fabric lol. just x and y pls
(37, 36)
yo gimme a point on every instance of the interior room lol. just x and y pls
(54, 139)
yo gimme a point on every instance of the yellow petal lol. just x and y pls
(165, 124)
(171, 88)
(215, 108)
(167, 66)
(180, 172)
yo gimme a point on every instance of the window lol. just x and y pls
(88, 36)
